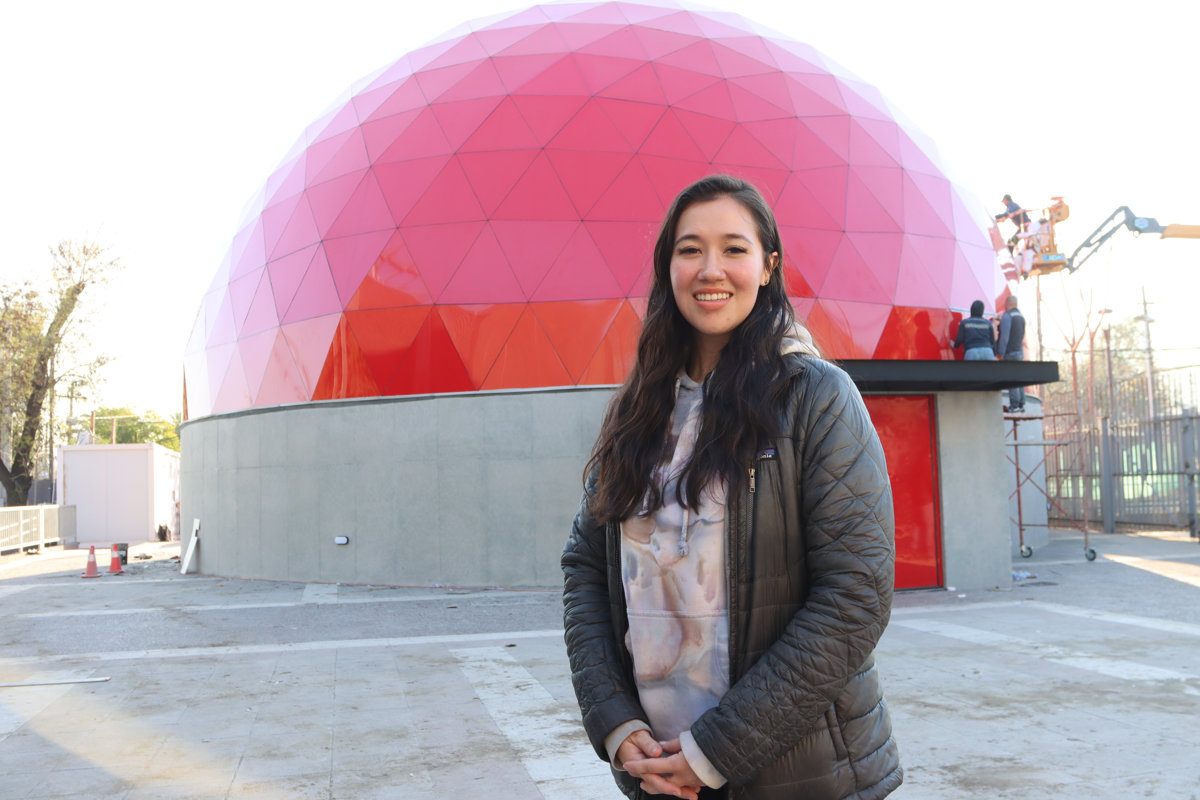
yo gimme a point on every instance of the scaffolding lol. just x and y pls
(1052, 450)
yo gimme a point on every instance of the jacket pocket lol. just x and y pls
(835, 734)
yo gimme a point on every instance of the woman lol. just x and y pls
(730, 568)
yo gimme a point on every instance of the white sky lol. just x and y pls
(148, 125)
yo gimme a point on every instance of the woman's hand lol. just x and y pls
(668, 774)
(638, 746)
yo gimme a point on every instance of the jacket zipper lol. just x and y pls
(612, 535)
(740, 530)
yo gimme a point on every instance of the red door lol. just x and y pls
(906, 430)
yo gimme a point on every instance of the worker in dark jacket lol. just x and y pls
(731, 567)
(1019, 216)
(1010, 346)
(976, 336)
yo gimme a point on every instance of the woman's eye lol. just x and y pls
(687, 251)
(738, 250)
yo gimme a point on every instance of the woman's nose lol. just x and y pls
(710, 267)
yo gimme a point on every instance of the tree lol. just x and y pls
(35, 331)
(135, 428)
(1119, 346)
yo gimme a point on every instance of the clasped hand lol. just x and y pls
(661, 766)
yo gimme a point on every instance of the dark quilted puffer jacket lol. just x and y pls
(811, 562)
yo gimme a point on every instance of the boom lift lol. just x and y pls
(1123, 217)
(1040, 238)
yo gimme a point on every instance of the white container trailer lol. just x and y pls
(121, 492)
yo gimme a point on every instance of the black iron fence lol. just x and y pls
(1118, 464)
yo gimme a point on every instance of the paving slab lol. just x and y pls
(1079, 681)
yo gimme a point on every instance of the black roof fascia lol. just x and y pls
(947, 376)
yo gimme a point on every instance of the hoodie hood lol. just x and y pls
(799, 340)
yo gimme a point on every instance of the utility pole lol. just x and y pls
(1112, 393)
(1146, 318)
(50, 437)
(1038, 289)
(73, 427)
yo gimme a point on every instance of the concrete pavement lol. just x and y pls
(1082, 681)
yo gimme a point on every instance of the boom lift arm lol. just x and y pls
(1124, 218)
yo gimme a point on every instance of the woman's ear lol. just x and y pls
(772, 265)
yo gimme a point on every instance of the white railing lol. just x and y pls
(25, 527)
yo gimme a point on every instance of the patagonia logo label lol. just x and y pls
(766, 454)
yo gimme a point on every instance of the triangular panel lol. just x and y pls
(308, 342)
(432, 364)
(493, 174)
(527, 359)
(633, 120)
(483, 276)
(851, 278)
(586, 176)
(504, 129)
(479, 332)
(625, 247)
(392, 282)
(874, 200)
(365, 211)
(233, 394)
(384, 337)
(437, 250)
(262, 313)
(617, 350)
(448, 199)
(580, 273)
(461, 120)
(351, 257)
(282, 382)
(631, 196)
(546, 116)
(345, 373)
(254, 352)
(404, 182)
(532, 247)
(576, 328)
(317, 295)
(538, 194)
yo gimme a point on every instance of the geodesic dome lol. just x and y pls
(480, 214)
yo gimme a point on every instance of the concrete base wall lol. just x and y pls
(475, 490)
(480, 489)
(974, 486)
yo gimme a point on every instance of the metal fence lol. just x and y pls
(1124, 467)
(28, 527)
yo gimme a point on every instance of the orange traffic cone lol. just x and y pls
(114, 567)
(91, 572)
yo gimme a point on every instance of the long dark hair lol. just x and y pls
(741, 396)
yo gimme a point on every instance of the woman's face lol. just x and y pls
(717, 267)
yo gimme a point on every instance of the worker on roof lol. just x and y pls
(976, 336)
(1011, 347)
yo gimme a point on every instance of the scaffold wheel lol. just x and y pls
(1090, 554)
(1027, 551)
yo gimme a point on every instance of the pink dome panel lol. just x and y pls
(480, 214)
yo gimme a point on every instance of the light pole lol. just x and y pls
(1092, 367)
(1112, 392)
(1145, 317)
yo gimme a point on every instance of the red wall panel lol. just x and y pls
(906, 430)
